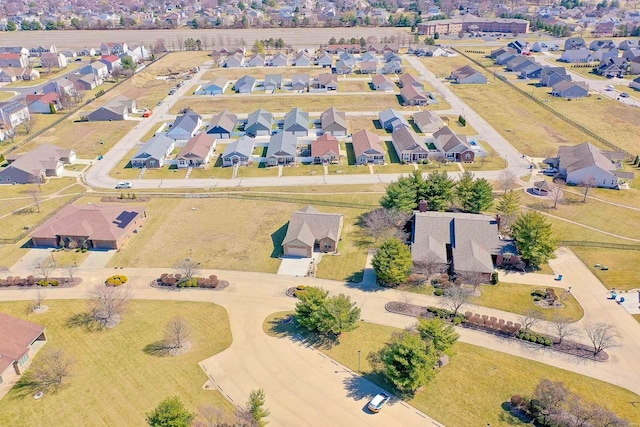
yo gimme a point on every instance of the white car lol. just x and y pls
(610, 87)
(378, 402)
(123, 184)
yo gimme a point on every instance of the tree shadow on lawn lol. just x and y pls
(85, 321)
(276, 238)
(157, 348)
(25, 387)
(511, 416)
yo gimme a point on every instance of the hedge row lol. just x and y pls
(117, 280)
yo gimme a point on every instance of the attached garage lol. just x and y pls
(297, 250)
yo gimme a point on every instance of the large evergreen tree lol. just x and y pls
(392, 262)
(408, 362)
(312, 300)
(508, 208)
(474, 195)
(534, 238)
(438, 191)
(170, 413)
(339, 315)
(441, 335)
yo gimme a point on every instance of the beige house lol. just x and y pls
(19, 342)
(310, 230)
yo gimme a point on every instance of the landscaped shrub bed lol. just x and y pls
(179, 281)
(117, 280)
(534, 338)
(17, 281)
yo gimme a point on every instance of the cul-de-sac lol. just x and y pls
(320, 213)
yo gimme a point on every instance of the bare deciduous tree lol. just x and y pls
(176, 333)
(507, 180)
(53, 369)
(529, 319)
(188, 268)
(601, 335)
(29, 124)
(474, 279)
(210, 416)
(384, 223)
(562, 327)
(38, 300)
(44, 267)
(108, 303)
(455, 297)
(71, 270)
(428, 267)
(35, 194)
(557, 195)
(602, 417)
(587, 185)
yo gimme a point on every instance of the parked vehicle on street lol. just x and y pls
(378, 402)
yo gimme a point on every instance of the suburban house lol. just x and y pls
(367, 148)
(427, 121)
(544, 46)
(238, 152)
(408, 146)
(468, 75)
(272, 82)
(426, 50)
(153, 153)
(574, 43)
(300, 82)
(409, 80)
(334, 122)
(628, 44)
(90, 226)
(39, 163)
(460, 243)
(392, 67)
(257, 60)
(368, 67)
(605, 53)
(282, 149)
(577, 56)
(197, 152)
(60, 86)
(215, 87)
(112, 62)
(635, 83)
(302, 59)
(113, 48)
(279, 60)
(344, 67)
(245, 84)
(14, 113)
(118, 108)
(585, 164)
(13, 60)
(53, 60)
(296, 122)
(259, 123)
(326, 81)
(368, 57)
(228, 50)
(612, 67)
(324, 60)
(235, 61)
(310, 230)
(45, 103)
(97, 68)
(21, 341)
(602, 43)
(391, 119)
(552, 75)
(9, 74)
(569, 89)
(185, 126)
(222, 124)
(455, 147)
(325, 149)
(86, 82)
(412, 96)
(382, 82)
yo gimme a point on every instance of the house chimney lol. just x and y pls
(498, 219)
(422, 206)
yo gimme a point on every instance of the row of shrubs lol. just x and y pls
(27, 281)
(117, 280)
(445, 314)
(179, 281)
(534, 338)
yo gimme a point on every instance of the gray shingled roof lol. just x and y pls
(473, 239)
(155, 148)
(225, 120)
(583, 156)
(243, 146)
(296, 118)
(308, 225)
(282, 144)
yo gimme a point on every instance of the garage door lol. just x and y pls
(296, 251)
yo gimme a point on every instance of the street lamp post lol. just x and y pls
(358, 360)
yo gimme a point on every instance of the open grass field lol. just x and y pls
(481, 378)
(456, 127)
(623, 270)
(281, 104)
(4, 96)
(516, 298)
(234, 234)
(511, 113)
(26, 215)
(114, 381)
(41, 122)
(11, 253)
(592, 213)
(84, 137)
(351, 86)
(491, 162)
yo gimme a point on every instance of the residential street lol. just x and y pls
(301, 384)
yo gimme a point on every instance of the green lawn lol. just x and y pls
(479, 379)
(114, 381)
(516, 298)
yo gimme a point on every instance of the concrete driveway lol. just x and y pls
(298, 267)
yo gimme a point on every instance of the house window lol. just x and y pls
(327, 245)
(23, 359)
(467, 156)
